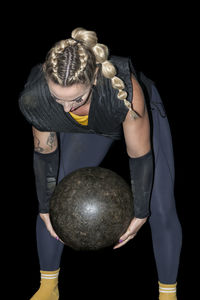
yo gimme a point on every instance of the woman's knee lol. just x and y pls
(164, 219)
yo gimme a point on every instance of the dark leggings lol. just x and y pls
(83, 150)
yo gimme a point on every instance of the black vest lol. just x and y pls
(106, 113)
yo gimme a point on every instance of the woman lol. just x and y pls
(79, 102)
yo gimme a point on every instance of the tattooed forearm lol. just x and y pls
(37, 146)
(44, 142)
(51, 140)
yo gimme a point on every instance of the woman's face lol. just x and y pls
(70, 97)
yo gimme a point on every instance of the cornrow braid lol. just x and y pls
(83, 62)
(62, 48)
(67, 63)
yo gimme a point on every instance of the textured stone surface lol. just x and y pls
(91, 208)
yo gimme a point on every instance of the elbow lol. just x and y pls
(138, 152)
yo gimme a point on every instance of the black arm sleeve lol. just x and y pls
(141, 171)
(45, 169)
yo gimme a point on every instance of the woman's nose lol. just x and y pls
(67, 107)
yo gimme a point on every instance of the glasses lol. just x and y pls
(78, 100)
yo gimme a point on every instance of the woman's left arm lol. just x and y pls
(137, 131)
(138, 145)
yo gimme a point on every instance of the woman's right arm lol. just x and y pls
(45, 164)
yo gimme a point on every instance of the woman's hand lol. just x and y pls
(131, 232)
(46, 219)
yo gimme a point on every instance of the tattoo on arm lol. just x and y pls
(44, 143)
(37, 147)
(51, 140)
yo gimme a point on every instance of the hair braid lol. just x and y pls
(83, 61)
(109, 71)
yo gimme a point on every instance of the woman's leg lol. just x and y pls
(165, 226)
(48, 248)
(76, 151)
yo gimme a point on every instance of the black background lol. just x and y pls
(160, 41)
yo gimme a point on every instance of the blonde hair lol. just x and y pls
(74, 60)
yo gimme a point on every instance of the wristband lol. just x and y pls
(141, 172)
(45, 170)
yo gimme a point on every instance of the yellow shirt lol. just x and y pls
(83, 120)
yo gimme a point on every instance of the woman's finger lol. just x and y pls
(54, 235)
(126, 234)
(125, 241)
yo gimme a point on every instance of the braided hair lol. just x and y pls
(74, 61)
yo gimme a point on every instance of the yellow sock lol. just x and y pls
(167, 291)
(48, 286)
